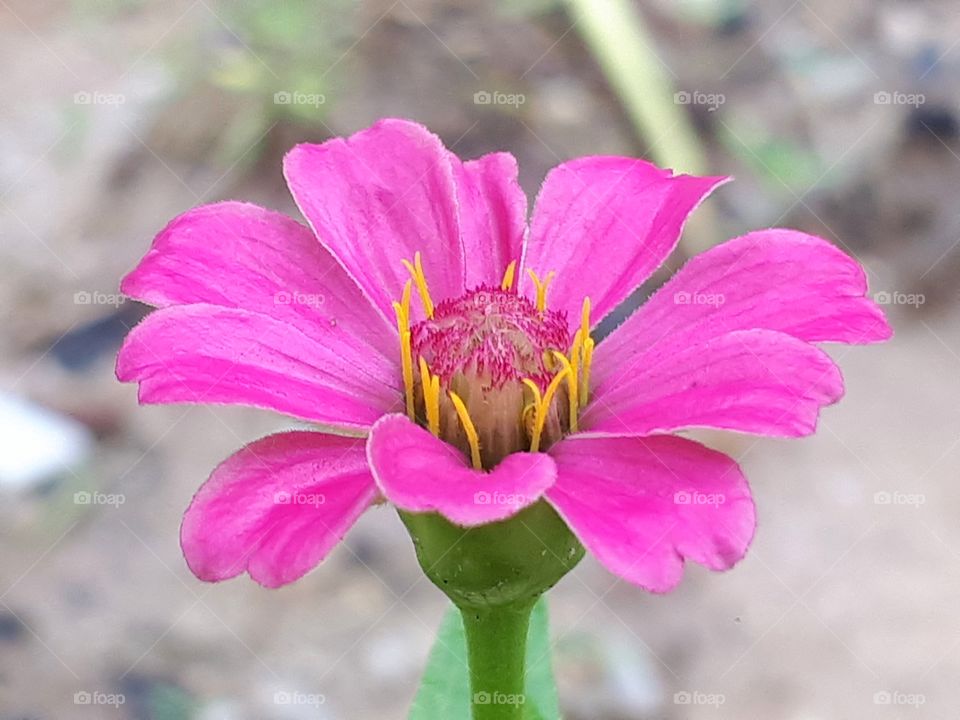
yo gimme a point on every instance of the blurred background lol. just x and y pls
(840, 119)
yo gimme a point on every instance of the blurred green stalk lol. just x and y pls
(616, 35)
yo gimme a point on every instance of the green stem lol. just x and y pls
(616, 34)
(496, 651)
(495, 574)
(618, 38)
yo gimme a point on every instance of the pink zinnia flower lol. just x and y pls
(443, 352)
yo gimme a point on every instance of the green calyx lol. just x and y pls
(495, 574)
(511, 562)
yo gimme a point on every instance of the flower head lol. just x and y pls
(452, 352)
(484, 357)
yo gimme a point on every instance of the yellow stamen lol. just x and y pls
(549, 361)
(585, 374)
(543, 405)
(406, 362)
(581, 355)
(405, 301)
(537, 404)
(541, 286)
(508, 276)
(576, 362)
(420, 279)
(585, 318)
(398, 311)
(402, 310)
(528, 418)
(468, 428)
(431, 397)
(537, 395)
(572, 383)
(435, 394)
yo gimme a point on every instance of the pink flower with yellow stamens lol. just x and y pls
(445, 353)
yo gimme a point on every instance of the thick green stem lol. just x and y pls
(495, 574)
(496, 651)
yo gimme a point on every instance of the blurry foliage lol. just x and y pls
(708, 12)
(168, 702)
(618, 37)
(782, 164)
(262, 48)
(528, 8)
(256, 62)
(279, 60)
(106, 9)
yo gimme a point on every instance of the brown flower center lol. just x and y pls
(492, 372)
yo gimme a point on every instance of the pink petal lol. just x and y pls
(755, 381)
(493, 215)
(277, 507)
(375, 199)
(420, 473)
(242, 256)
(644, 505)
(775, 279)
(604, 224)
(209, 354)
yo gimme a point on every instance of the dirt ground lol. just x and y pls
(839, 119)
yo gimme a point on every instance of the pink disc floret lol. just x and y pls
(492, 334)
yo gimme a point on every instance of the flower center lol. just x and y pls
(493, 336)
(493, 372)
